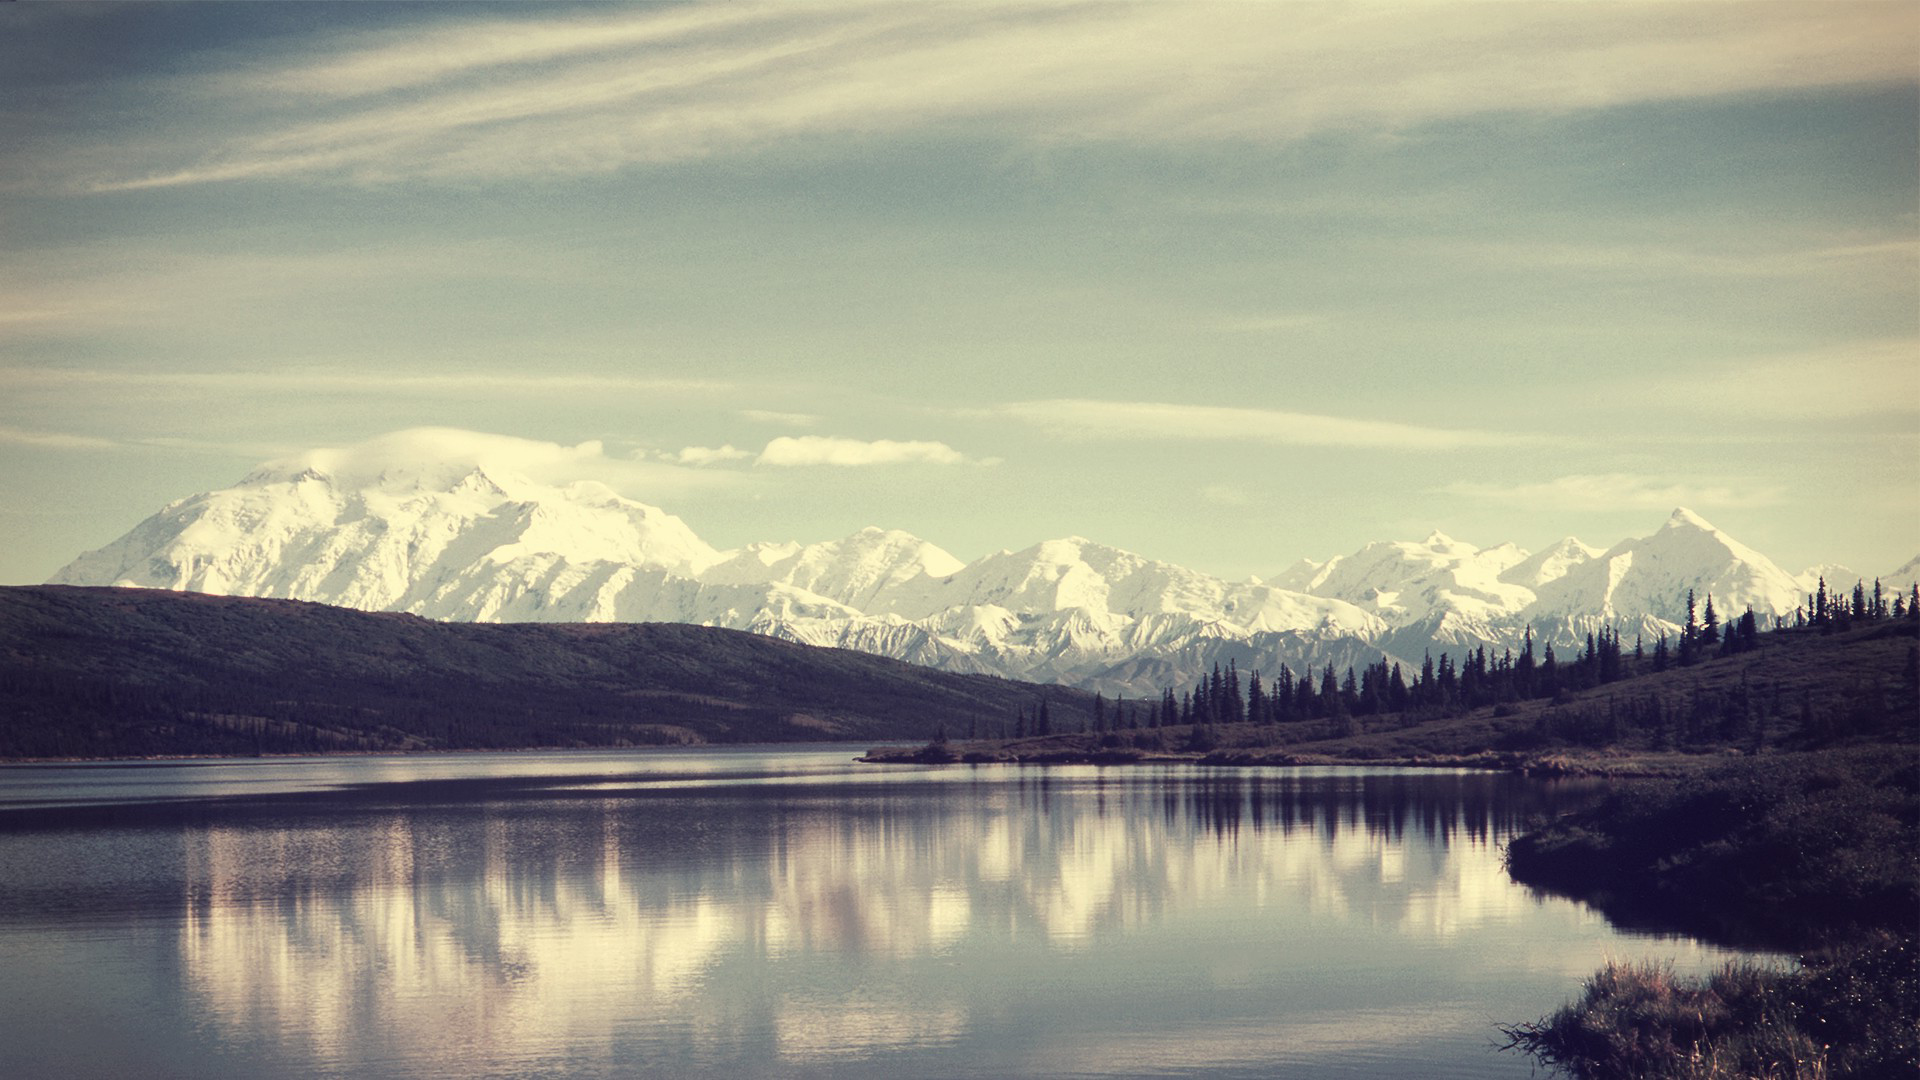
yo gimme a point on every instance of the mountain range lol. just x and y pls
(464, 542)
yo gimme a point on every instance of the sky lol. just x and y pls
(1225, 285)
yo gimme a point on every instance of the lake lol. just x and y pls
(775, 913)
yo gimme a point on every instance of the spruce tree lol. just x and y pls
(1689, 634)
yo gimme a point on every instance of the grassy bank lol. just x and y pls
(1847, 1012)
(1817, 853)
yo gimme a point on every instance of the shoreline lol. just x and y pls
(1070, 750)
(1592, 763)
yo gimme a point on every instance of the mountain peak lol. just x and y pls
(1571, 545)
(1685, 518)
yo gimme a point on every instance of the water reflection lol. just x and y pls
(970, 923)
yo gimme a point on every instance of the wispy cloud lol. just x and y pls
(1084, 419)
(354, 380)
(1891, 262)
(502, 97)
(53, 440)
(1617, 491)
(1854, 379)
(414, 59)
(798, 450)
(784, 419)
(145, 283)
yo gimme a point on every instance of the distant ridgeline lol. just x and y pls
(1843, 666)
(142, 672)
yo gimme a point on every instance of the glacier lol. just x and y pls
(467, 540)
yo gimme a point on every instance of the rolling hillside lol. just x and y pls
(100, 672)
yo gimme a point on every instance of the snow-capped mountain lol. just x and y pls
(1640, 586)
(466, 539)
(471, 541)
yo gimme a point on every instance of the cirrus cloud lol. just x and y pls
(1616, 491)
(1081, 418)
(492, 98)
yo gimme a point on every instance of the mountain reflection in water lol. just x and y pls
(967, 922)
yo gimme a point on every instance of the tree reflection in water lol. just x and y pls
(967, 922)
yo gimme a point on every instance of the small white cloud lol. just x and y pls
(1615, 491)
(707, 455)
(790, 450)
(1084, 419)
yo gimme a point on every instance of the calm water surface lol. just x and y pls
(774, 913)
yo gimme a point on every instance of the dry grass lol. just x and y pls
(1641, 1021)
(1851, 1013)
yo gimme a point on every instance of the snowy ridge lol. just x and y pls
(394, 528)
(1651, 577)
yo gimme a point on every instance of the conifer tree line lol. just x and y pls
(1480, 679)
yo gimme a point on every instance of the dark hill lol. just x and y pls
(97, 672)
